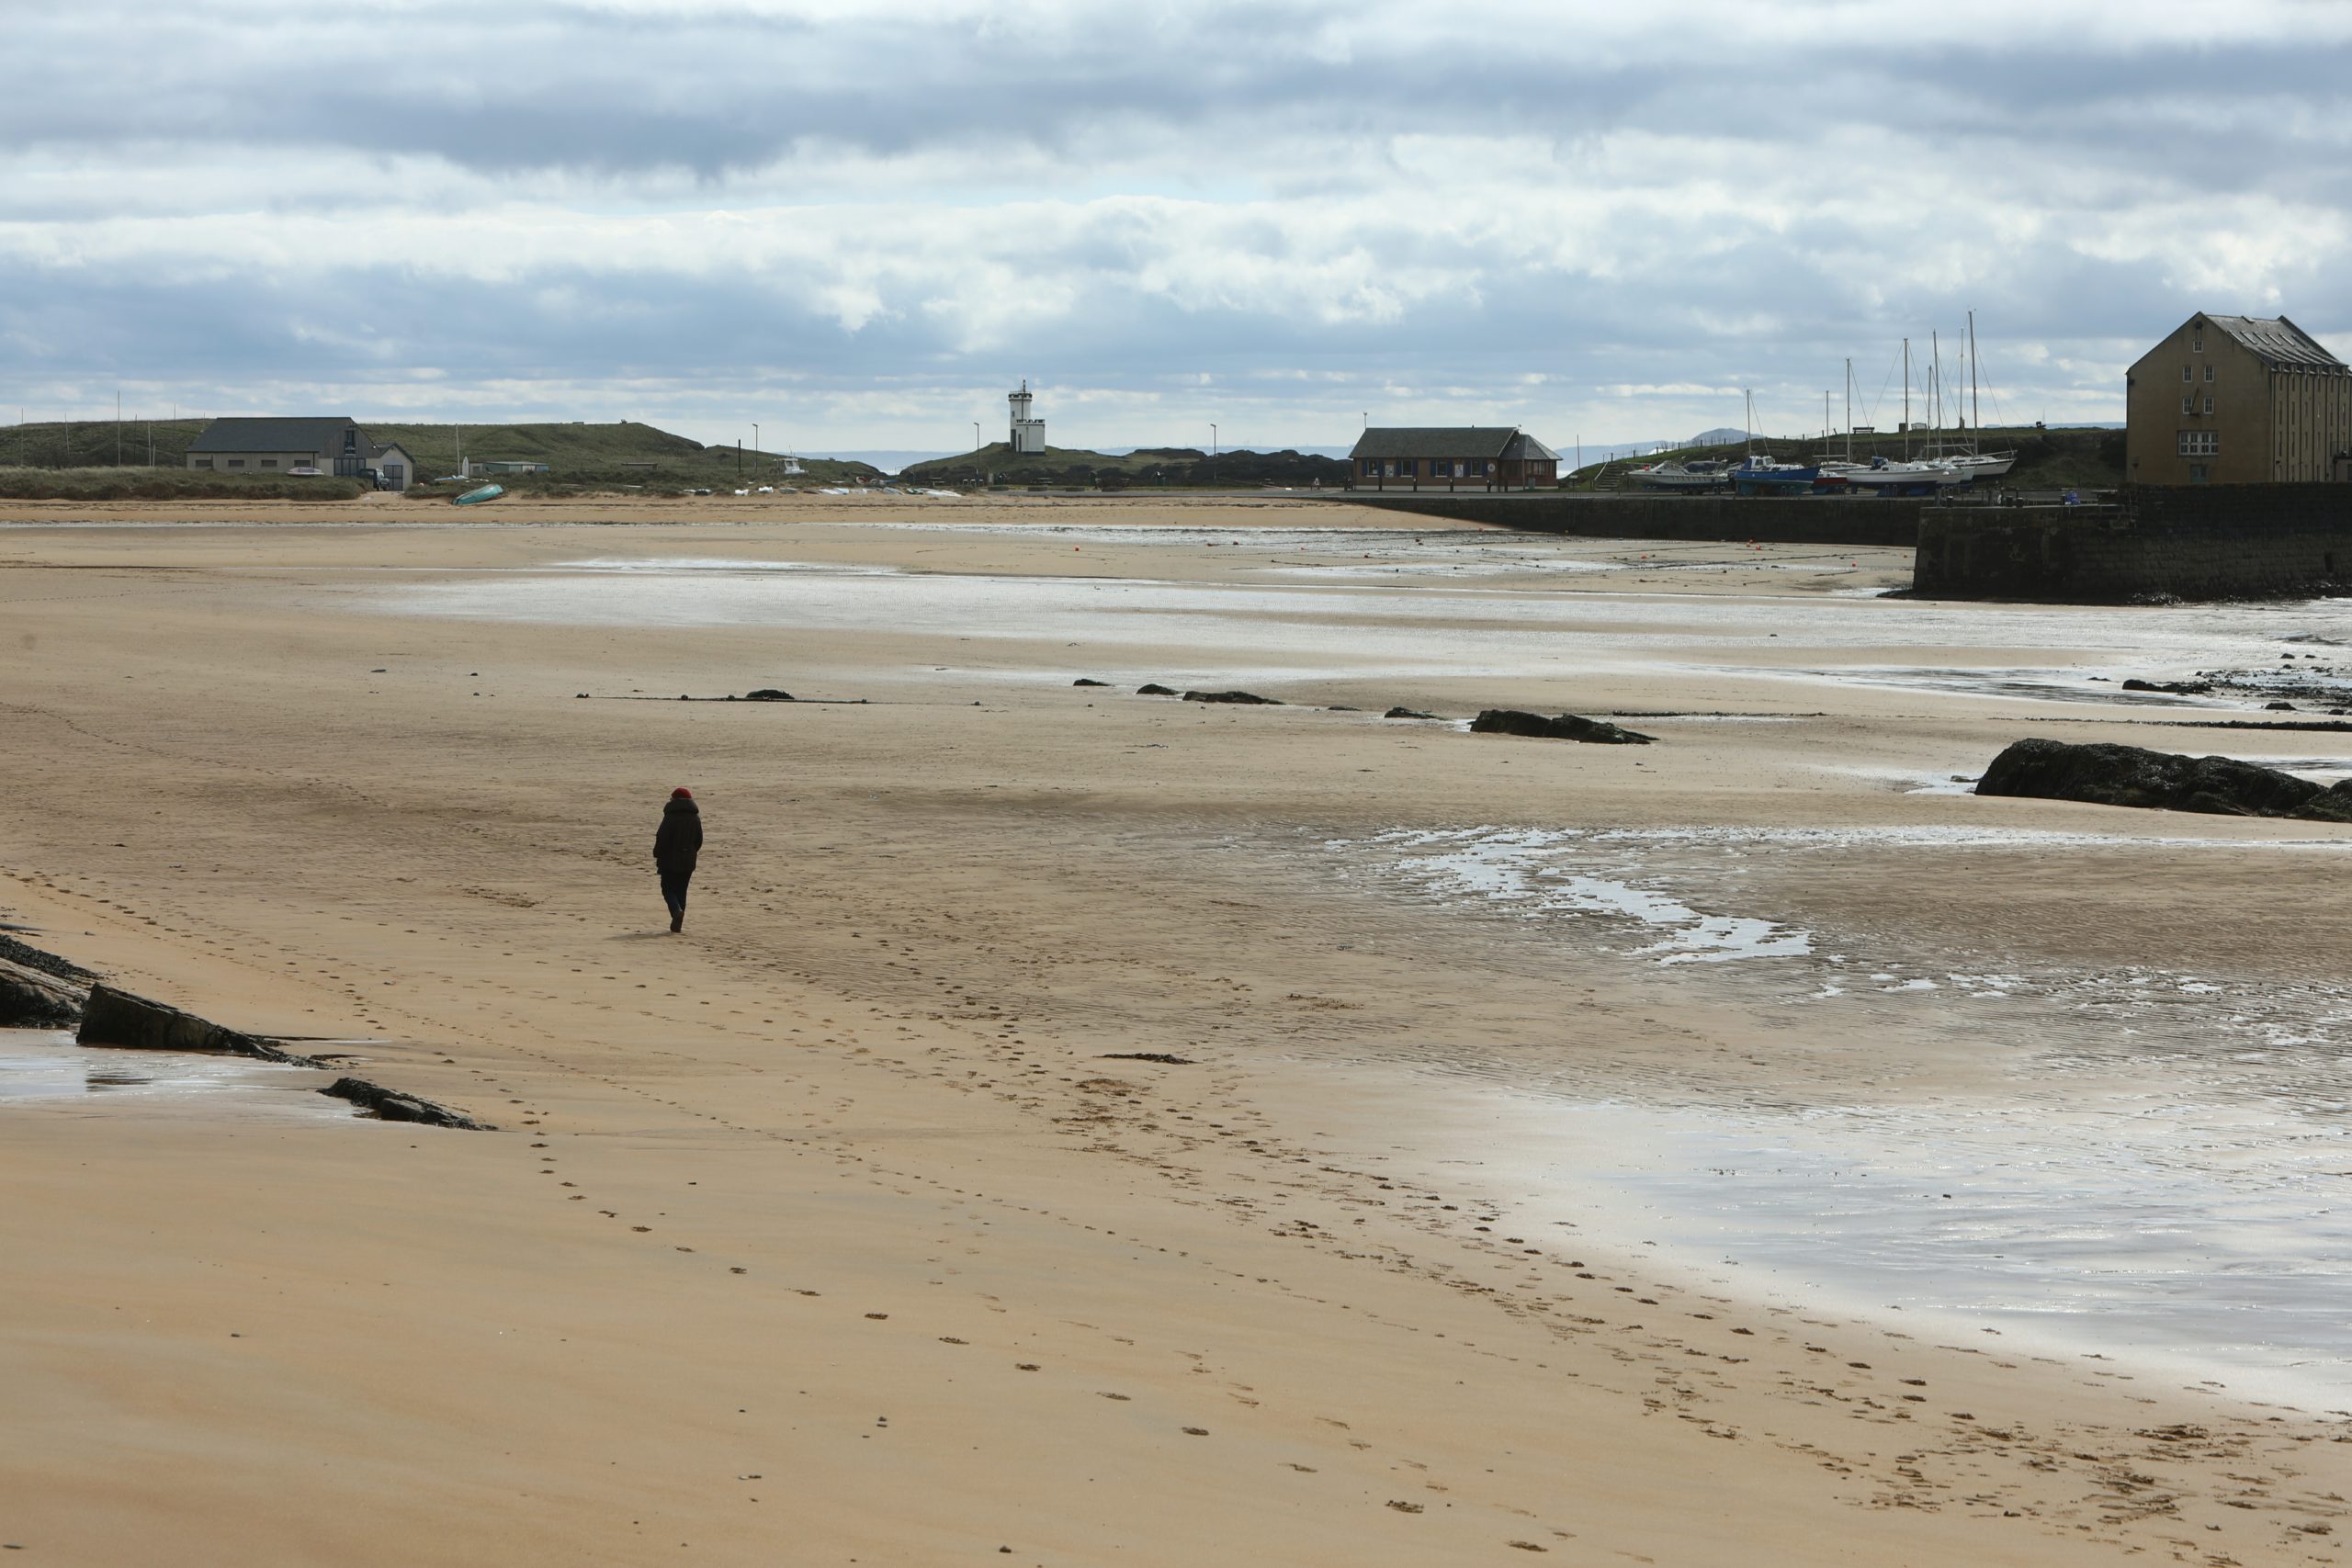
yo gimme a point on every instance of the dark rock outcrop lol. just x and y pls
(1406, 713)
(2177, 688)
(31, 999)
(116, 1017)
(1083, 681)
(1154, 689)
(394, 1106)
(767, 694)
(32, 957)
(2333, 804)
(2105, 775)
(1162, 1057)
(1249, 697)
(1567, 727)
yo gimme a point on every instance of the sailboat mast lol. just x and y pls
(1906, 399)
(1935, 391)
(1975, 415)
(1850, 408)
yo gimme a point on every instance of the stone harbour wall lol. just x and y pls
(1780, 520)
(2156, 542)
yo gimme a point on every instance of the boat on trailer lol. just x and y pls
(1762, 476)
(1704, 473)
(1883, 476)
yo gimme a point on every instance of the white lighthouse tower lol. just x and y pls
(1028, 439)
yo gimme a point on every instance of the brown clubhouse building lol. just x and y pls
(2237, 400)
(1454, 456)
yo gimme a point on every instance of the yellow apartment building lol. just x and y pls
(2236, 399)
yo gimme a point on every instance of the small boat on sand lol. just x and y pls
(477, 496)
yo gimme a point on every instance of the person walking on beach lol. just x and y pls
(675, 850)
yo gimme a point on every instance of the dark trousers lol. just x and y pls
(674, 889)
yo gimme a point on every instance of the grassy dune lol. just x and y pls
(76, 459)
(165, 484)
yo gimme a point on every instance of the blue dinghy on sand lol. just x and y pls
(476, 497)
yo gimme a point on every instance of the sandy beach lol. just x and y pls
(1750, 1148)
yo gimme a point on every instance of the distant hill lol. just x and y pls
(1721, 436)
(578, 454)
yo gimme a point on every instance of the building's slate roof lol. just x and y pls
(1525, 448)
(2281, 343)
(1438, 441)
(320, 435)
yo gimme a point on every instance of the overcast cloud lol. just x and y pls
(859, 223)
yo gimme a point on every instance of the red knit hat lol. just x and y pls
(682, 792)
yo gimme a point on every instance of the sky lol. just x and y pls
(859, 224)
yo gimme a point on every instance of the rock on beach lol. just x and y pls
(2108, 775)
(30, 998)
(1565, 727)
(393, 1106)
(116, 1017)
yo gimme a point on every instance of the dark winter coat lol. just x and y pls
(680, 840)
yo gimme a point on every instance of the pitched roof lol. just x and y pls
(1525, 448)
(2279, 343)
(1435, 441)
(272, 435)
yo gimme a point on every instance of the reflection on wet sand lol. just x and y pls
(38, 1065)
(2148, 1161)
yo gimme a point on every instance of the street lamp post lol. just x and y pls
(755, 441)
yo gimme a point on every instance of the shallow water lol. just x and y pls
(2129, 1230)
(2155, 1163)
(1427, 628)
(47, 1067)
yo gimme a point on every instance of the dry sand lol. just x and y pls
(825, 1233)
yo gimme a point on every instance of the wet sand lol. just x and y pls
(833, 1230)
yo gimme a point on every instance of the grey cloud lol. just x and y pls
(1871, 195)
(516, 88)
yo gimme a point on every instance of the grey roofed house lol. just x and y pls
(1525, 448)
(281, 446)
(1436, 441)
(2278, 342)
(323, 436)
